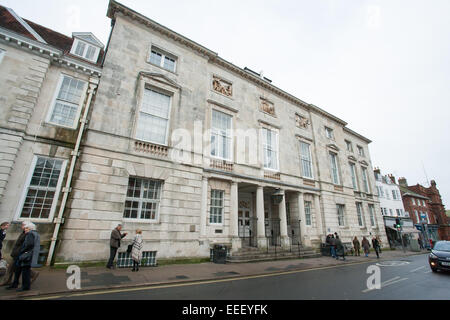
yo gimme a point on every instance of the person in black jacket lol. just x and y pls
(376, 246)
(23, 261)
(4, 226)
(14, 255)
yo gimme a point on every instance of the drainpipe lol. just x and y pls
(93, 82)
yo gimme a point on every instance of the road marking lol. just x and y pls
(152, 287)
(387, 283)
(417, 269)
(428, 271)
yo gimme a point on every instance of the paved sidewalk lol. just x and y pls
(53, 281)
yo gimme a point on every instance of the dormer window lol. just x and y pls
(86, 46)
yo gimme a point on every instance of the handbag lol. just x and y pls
(26, 256)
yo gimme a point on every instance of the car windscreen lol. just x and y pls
(442, 246)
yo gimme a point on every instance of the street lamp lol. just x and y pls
(277, 197)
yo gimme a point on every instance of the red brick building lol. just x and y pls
(425, 205)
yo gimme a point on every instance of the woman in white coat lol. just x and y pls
(136, 251)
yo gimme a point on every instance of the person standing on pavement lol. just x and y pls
(379, 243)
(366, 246)
(357, 246)
(333, 246)
(27, 258)
(14, 255)
(376, 246)
(136, 251)
(114, 244)
(340, 249)
(420, 243)
(3, 228)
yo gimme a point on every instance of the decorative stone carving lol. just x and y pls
(222, 86)
(267, 107)
(302, 122)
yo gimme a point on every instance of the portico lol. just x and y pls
(262, 216)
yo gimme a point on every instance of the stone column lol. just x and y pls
(234, 221)
(204, 208)
(302, 217)
(283, 222)
(261, 230)
(318, 213)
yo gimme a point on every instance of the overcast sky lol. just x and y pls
(382, 66)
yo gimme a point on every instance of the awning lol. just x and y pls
(410, 230)
(405, 230)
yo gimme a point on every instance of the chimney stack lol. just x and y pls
(403, 182)
(392, 178)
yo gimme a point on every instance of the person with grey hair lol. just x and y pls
(114, 244)
(14, 255)
(28, 254)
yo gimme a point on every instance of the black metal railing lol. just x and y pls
(248, 233)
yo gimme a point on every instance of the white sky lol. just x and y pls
(382, 66)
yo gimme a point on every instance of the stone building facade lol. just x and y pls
(44, 90)
(180, 143)
(196, 151)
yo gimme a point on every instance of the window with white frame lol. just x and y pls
(413, 201)
(308, 205)
(387, 194)
(361, 151)
(305, 155)
(334, 168)
(349, 145)
(354, 178)
(85, 50)
(359, 211)
(341, 214)
(143, 199)
(365, 180)
(162, 59)
(67, 105)
(154, 114)
(270, 149)
(391, 212)
(221, 135)
(417, 216)
(43, 188)
(329, 133)
(217, 206)
(381, 192)
(394, 195)
(423, 203)
(372, 215)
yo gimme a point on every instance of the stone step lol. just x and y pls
(251, 253)
(271, 257)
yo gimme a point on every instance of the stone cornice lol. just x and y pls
(357, 135)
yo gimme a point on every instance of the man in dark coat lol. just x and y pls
(25, 259)
(340, 249)
(114, 244)
(376, 246)
(14, 255)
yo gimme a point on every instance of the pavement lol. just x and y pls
(54, 281)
